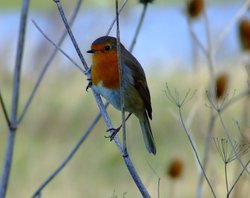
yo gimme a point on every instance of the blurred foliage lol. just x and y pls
(62, 111)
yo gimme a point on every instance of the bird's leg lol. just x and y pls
(115, 131)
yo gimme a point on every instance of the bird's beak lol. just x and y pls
(90, 51)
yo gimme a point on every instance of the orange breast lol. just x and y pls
(105, 69)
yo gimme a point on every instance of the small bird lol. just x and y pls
(105, 81)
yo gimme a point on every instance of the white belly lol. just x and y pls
(132, 100)
(112, 96)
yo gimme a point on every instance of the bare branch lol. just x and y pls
(238, 178)
(231, 143)
(38, 192)
(15, 99)
(211, 66)
(121, 82)
(243, 9)
(195, 38)
(235, 99)
(50, 59)
(57, 48)
(219, 109)
(159, 178)
(229, 153)
(69, 157)
(175, 98)
(4, 110)
(102, 108)
(195, 151)
(210, 51)
(179, 103)
(66, 24)
(213, 117)
(139, 26)
(113, 22)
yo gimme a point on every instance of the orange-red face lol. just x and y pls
(104, 62)
(103, 53)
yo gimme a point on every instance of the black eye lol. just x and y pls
(107, 48)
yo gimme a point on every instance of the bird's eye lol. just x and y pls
(107, 48)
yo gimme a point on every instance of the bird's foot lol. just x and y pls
(87, 73)
(113, 133)
(89, 84)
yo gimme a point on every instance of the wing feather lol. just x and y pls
(139, 78)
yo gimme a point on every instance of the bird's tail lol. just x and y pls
(147, 133)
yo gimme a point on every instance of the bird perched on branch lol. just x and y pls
(105, 81)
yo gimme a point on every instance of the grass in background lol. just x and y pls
(62, 111)
(44, 5)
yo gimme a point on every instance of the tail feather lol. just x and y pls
(147, 133)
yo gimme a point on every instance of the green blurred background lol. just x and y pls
(62, 110)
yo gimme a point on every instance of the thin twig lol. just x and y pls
(226, 179)
(230, 141)
(121, 81)
(129, 164)
(194, 41)
(211, 66)
(219, 111)
(126, 158)
(195, 38)
(243, 134)
(242, 10)
(66, 24)
(15, 99)
(213, 117)
(38, 192)
(4, 110)
(174, 98)
(195, 152)
(235, 99)
(50, 59)
(210, 51)
(69, 157)
(159, 178)
(209, 134)
(145, 5)
(238, 178)
(57, 46)
(114, 20)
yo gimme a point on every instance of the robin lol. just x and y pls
(105, 81)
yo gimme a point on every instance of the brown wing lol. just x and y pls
(139, 79)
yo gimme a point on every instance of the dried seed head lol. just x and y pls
(175, 168)
(195, 8)
(227, 153)
(221, 85)
(244, 33)
(145, 1)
